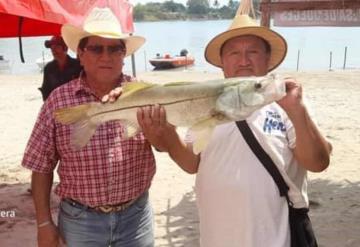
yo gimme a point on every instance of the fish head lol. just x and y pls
(242, 96)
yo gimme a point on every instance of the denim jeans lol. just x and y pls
(84, 227)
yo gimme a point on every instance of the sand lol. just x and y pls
(335, 211)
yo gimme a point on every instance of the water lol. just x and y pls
(314, 43)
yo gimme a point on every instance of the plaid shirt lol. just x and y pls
(108, 170)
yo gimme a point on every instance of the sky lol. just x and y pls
(134, 2)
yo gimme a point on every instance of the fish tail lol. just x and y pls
(84, 126)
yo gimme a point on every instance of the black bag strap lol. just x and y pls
(264, 158)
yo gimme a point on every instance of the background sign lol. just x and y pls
(329, 17)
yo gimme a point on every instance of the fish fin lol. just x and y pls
(178, 83)
(82, 133)
(73, 114)
(83, 129)
(132, 87)
(252, 99)
(202, 131)
(131, 128)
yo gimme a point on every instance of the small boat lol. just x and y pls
(168, 62)
(43, 60)
(4, 64)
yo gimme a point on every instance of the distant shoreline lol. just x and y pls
(183, 19)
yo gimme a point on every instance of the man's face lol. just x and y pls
(244, 56)
(102, 59)
(58, 51)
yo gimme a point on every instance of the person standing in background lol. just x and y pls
(60, 70)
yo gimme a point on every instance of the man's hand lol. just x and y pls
(293, 101)
(48, 236)
(161, 134)
(312, 151)
(112, 96)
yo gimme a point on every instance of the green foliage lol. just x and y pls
(198, 7)
(216, 4)
(159, 11)
(233, 5)
(171, 6)
(195, 9)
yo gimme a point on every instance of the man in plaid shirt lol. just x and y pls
(103, 186)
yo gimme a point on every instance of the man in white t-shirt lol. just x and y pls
(238, 201)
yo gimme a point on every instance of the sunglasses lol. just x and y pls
(112, 50)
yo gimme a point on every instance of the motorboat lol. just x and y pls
(4, 64)
(169, 62)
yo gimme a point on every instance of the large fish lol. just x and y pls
(198, 105)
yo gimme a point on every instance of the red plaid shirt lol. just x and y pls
(108, 170)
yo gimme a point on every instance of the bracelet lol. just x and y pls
(45, 223)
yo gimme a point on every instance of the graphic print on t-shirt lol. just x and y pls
(273, 122)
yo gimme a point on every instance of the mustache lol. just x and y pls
(240, 68)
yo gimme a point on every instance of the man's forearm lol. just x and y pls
(184, 157)
(312, 150)
(41, 184)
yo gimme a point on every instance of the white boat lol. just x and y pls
(43, 60)
(4, 64)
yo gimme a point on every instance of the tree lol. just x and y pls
(233, 6)
(171, 6)
(139, 12)
(216, 4)
(198, 6)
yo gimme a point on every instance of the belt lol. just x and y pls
(103, 209)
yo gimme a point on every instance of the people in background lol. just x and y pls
(61, 69)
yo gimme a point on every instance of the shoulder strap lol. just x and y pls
(264, 158)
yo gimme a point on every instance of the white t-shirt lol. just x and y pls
(238, 201)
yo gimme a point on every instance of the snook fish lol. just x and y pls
(198, 105)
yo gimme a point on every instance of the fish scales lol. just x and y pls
(184, 104)
(200, 106)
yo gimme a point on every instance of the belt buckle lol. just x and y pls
(109, 209)
(106, 209)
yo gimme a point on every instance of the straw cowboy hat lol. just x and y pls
(103, 23)
(244, 25)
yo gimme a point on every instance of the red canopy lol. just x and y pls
(44, 17)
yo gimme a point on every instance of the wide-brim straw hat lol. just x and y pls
(103, 23)
(245, 25)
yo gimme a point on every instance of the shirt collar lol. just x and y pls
(82, 87)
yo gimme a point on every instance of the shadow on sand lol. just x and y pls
(182, 223)
(334, 211)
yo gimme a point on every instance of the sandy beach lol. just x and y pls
(334, 193)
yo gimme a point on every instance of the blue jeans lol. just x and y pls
(84, 227)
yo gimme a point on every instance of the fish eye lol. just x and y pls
(257, 85)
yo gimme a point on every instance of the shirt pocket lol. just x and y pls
(72, 211)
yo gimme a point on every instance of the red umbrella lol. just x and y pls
(24, 18)
(44, 17)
